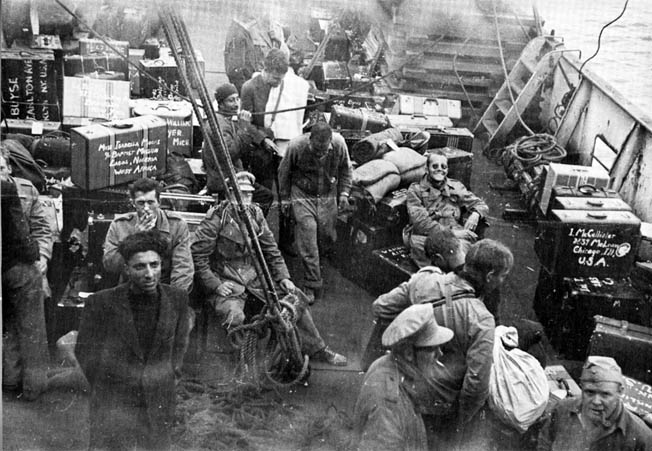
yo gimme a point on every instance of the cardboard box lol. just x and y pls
(178, 116)
(29, 85)
(118, 152)
(572, 176)
(429, 106)
(95, 99)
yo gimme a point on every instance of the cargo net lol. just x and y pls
(265, 346)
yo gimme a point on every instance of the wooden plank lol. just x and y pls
(480, 49)
(448, 78)
(462, 67)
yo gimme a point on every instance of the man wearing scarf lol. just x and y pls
(398, 388)
(598, 421)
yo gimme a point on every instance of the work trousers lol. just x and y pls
(231, 311)
(314, 232)
(25, 348)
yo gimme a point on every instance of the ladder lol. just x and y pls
(528, 74)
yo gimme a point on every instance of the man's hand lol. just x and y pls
(42, 265)
(343, 203)
(244, 115)
(146, 222)
(287, 285)
(269, 145)
(464, 234)
(225, 289)
(472, 221)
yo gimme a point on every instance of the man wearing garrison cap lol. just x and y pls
(241, 139)
(598, 421)
(398, 386)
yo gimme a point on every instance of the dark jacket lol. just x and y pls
(240, 138)
(253, 98)
(122, 379)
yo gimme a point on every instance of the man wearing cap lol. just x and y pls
(463, 380)
(240, 137)
(598, 421)
(398, 387)
(314, 182)
(227, 273)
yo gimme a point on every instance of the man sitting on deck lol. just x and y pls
(228, 276)
(437, 201)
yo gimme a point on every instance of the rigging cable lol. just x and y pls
(600, 35)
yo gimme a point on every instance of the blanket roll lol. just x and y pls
(375, 145)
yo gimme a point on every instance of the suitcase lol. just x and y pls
(579, 243)
(429, 106)
(629, 344)
(364, 239)
(351, 100)
(587, 191)
(460, 164)
(390, 210)
(87, 99)
(178, 116)
(73, 65)
(583, 298)
(166, 72)
(115, 153)
(89, 46)
(572, 176)
(637, 397)
(589, 203)
(357, 119)
(418, 123)
(29, 85)
(458, 138)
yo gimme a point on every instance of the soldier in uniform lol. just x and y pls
(398, 386)
(463, 378)
(24, 353)
(178, 269)
(437, 201)
(227, 273)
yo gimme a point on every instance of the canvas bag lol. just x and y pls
(518, 386)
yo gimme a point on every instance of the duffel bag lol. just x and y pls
(374, 146)
(518, 386)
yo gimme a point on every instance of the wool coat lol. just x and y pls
(132, 397)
